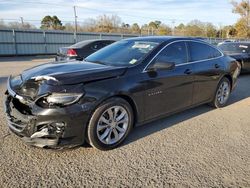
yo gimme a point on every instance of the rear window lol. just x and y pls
(231, 48)
(86, 42)
(200, 51)
(80, 44)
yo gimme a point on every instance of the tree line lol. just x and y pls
(114, 24)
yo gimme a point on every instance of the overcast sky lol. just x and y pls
(219, 12)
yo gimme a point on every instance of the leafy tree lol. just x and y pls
(195, 28)
(107, 23)
(242, 26)
(180, 26)
(231, 31)
(135, 28)
(210, 30)
(70, 27)
(153, 25)
(158, 23)
(164, 30)
(53, 22)
(125, 25)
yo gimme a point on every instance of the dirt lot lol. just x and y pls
(201, 147)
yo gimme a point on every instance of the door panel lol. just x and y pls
(207, 75)
(167, 91)
(207, 70)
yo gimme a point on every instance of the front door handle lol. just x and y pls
(188, 71)
(217, 66)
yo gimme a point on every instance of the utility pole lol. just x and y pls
(173, 31)
(22, 22)
(75, 19)
(248, 3)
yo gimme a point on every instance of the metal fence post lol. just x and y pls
(14, 41)
(45, 42)
(100, 35)
(75, 37)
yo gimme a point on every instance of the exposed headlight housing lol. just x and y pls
(61, 99)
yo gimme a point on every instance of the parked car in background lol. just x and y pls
(229, 40)
(239, 51)
(128, 83)
(81, 50)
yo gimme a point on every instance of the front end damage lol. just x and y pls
(44, 125)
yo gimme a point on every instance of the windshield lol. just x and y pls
(234, 48)
(123, 53)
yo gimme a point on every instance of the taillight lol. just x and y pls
(71, 52)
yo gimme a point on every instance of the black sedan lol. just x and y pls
(239, 51)
(81, 50)
(128, 83)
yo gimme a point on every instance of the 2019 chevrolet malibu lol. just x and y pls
(127, 83)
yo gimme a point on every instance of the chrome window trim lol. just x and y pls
(189, 62)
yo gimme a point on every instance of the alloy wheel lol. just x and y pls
(112, 125)
(223, 92)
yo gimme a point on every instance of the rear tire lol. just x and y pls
(222, 93)
(110, 124)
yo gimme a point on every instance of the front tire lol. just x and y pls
(222, 93)
(110, 124)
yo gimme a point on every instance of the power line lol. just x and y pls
(168, 20)
(98, 10)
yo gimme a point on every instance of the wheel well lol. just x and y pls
(241, 63)
(230, 79)
(132, 104)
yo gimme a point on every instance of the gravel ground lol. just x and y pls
(201, 147)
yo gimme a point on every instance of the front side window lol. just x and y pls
(174, 53)
(200, 51)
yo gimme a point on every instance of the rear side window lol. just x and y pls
(200, 51)
(231, 48)
(174, 53)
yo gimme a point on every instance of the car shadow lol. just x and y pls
(164, 123)
(241, 92)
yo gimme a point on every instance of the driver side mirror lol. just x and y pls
(161, 65)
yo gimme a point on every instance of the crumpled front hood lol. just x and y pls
(72, 72)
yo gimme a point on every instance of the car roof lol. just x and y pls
(247, 43)
(86, 42)
(161, 39)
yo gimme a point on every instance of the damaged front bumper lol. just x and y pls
(45, 127)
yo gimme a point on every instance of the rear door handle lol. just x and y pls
(217, 66)
(188, 71)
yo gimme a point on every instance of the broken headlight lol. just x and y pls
(60, 99)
